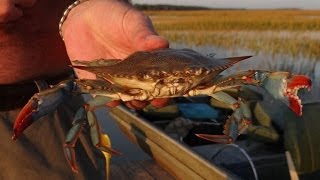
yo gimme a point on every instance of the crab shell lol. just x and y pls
(163, 72)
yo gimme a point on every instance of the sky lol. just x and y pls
(249, 4)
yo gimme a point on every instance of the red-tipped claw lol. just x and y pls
(295, 83)
(24, 118)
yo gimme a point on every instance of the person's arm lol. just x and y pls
(11, 10)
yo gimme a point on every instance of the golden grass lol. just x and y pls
(292, 32)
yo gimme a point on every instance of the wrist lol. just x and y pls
(69, 12)
(80, 6)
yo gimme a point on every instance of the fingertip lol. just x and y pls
(152, 42)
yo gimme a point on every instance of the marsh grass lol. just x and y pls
(291, 32)
(294, 45)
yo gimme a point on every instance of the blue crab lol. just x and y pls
(164, 73)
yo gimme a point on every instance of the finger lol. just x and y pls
(160, 102)
(152, 42)
(134, 104)
(142, 32)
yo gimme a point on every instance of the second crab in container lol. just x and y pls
(163, 73)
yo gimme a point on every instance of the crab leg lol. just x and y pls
(95, 130)
(236, 124)
(85, 114)
(221, 139)
(47, 100)
(281, 85)
(96, 136)
(72, 136)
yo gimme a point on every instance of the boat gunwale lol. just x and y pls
(180, 152)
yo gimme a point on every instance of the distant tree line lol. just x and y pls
(168, 7)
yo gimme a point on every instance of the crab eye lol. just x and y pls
(258, 75)
(211, 55)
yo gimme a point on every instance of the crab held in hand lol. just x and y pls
(164, 73)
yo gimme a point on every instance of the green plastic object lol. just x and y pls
(262, 129)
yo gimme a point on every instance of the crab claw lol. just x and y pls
(295, 83)
(285, 86)
(39, 105)
(25, 118)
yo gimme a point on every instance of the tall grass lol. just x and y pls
(292, 32)
(295, 20)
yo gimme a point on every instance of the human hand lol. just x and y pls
(107, 29)
(111, 30)
(11, 10)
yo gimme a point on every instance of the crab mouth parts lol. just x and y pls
(296, 82)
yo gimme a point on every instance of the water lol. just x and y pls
(262, 61)
(119, 142)
(130, 151)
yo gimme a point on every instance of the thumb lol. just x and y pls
(149, 41)
(152, 42)
(143, 34)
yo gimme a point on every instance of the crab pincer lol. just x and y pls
(47, 101)
(297, 82)
(285, 86)
(40, 104)
(24, 119)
